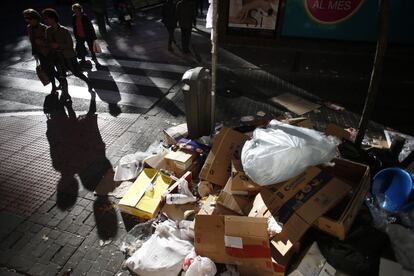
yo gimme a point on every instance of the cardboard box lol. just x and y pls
(240, 183)
(178, 161)
(138, 202)
(338, 220)
(237, 203)
(227, 146)
(299, 202)
(234, 240)
(173, 134)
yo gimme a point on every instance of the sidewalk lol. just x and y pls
(51, 228)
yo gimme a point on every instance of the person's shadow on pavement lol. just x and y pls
(78, 153)
(106, 88)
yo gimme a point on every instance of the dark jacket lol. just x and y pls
(37, 36)
(168, 14)
(61, 36)
(185, 13)
(87, 27)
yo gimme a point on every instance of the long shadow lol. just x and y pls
(78, 153)
(106, 89)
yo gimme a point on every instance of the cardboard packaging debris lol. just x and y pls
(140, 200)
(237, 203)
(299, 202)
(179, 162)
(339, 219)
(337, 131)
(173, 134)
(227, 146)
(294, 103)
(156, 161)
(240, 183)
(237, 240)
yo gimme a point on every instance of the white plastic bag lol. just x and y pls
(162, 254)
(201, 266)
(130, 166)
(283, 151)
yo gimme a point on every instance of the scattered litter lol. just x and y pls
(314, 264)
(121, 190)
(103, 243)
(273, 227)
(333, 106)
(45, 238)
(162, 254)
(130, 166)
(408, 145)
(136, 237)
(260, 113)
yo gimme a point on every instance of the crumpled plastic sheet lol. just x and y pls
(136, 237)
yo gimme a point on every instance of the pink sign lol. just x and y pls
(332, 11)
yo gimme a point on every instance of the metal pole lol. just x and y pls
(383, 19)
(213, 62)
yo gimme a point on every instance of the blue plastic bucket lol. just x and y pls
(391, 187)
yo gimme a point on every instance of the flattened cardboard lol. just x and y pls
(240, 183)
(236, 240)
(227, 146)
(236, 203)
(294, 103)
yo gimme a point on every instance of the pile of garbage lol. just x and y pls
(266, 197)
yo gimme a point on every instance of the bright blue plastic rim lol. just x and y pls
(392, 187)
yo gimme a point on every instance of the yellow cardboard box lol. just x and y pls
(142, 203)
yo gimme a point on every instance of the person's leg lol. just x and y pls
(75, 69)
(47, 67)
(185, 40)
(90, 46)
(81, 50)
(170, 38)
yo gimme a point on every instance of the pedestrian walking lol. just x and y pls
(170, 21)
(64, 56)
(84, 32)
(40, 48)
(99, 9)
(185, 16)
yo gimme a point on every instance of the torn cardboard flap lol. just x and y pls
(227, 146)
(241, 184)
(236, 203)
(297, 210)
(339, 132)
